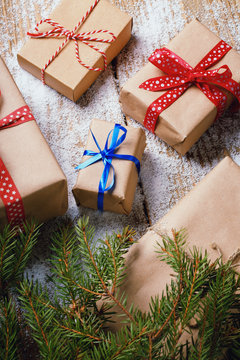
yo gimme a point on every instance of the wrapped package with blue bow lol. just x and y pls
(109, 171)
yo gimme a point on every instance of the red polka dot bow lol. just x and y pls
(180, 76)
(9, 193)
(85, 37)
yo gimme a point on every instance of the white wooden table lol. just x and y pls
(165, 176)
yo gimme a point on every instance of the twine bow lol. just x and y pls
(106, 155)
(85, 37)
(180, 76)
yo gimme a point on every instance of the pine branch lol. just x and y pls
(40, 317)
(15, 249)
(8, 331)
(101, 271)
(73, 322)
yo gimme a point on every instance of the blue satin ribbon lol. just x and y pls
(106, 155)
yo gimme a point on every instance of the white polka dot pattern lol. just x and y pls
(180, 76)
(9, 193)
(17, 117)
(10, 197)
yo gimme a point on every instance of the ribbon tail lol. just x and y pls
(90, 161)
(102, 188)
(107, 165)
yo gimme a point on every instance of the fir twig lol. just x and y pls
(73, 321)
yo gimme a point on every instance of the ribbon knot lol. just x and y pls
(59, 31)
(180, 76)
(193, 76)
(106, 155)
(71, 35)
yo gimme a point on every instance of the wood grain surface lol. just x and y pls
(176, 174)
(165, 176)
(17, 18)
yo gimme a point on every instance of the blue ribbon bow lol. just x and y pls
(106, 155)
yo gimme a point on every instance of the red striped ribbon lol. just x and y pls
(9, 193)
(59, 31)
(180, 76)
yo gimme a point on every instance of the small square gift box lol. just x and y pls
(183, 88)
(69, 50)
(109, 171)
(32, 185)
(210, 215)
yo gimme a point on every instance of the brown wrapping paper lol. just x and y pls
(120, 199)
(65, 74)
(28, 158)
(182, 124)
(210, 214)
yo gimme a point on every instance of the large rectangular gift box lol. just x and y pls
(126, 176)
(65, 73)
(185, 120)
(26, 156)
(210, 213)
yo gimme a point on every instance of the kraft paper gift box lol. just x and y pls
(120, 199)
(65, 74)
(210, 213)
(185, 120)
(29, 160)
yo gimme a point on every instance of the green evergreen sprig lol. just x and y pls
(16, 247)
(9, 330)
(196, 317)
(15, 250)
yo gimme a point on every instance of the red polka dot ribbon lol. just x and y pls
(85, 37)
(180, 76)
(10, 197)
(17, 117)
(9, 193)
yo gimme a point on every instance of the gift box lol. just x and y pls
(113, 154)
(210, 214)
(180, 103)
(31, 182)
(67, 52)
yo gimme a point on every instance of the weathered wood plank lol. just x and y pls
(166, 176)
(168, 17)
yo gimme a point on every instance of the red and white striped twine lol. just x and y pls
(59, 31)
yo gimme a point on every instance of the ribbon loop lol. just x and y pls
(59, 31)
(169, 62)
(180, 76)
(106, 155)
